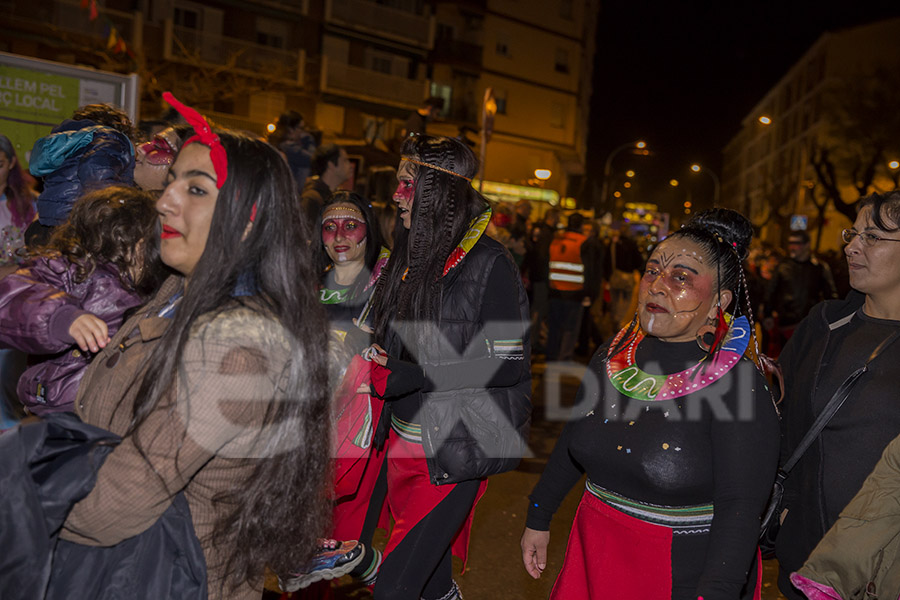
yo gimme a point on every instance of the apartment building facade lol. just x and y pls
(768, 173)
(354, 68)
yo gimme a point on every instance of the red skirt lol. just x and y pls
(612, 556)
(411, 496)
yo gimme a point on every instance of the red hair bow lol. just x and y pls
(204, 135)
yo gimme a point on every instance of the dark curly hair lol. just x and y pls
(110, 116)
(273, 517)
(883, 205)
(373, 238)
(116, 225)
(444, 204)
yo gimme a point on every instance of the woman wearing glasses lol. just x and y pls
(835, 339)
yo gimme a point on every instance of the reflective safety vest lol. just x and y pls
(566, 268)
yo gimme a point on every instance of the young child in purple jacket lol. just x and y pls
(70, 298)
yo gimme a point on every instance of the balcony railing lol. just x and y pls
(456, 52)
(192, 46)
(356, 82)
(383, 21)
(67, 15)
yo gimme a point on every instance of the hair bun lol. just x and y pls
(732, 226)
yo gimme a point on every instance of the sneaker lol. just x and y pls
(326, 564)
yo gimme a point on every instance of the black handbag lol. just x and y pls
(771, 519)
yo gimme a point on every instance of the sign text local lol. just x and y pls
(29, 93)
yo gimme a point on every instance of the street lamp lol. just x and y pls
(894, 165)
(542, 174)
(765, 120)
(696, 169)
(639, 144)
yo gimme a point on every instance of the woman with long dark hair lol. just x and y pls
(350, 257)
(17, 200)
(676, 432)
(218, 385)
(451, 318)
(17, 210)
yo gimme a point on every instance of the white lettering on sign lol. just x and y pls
(25, 93)
(8, 99)
(17, 84)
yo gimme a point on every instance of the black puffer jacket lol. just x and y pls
(45, 468)
(471, 433)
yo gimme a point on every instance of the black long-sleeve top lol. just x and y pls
(718, 445)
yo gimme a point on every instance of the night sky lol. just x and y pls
(682, 76)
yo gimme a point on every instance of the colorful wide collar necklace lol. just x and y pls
(635, 383)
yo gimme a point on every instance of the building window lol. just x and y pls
(562, 61)
(500, 97)
(270, 32)
(565, 9)
(502, 46)
(267, 39)
(558, 115)
(440, 90)
(445, 32)
(185, 17)
(382, 64)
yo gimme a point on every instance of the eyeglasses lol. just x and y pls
(868, 239)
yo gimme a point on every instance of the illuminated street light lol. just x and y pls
(894, 165)
(639, 144)
(688, 204)
(630, 173)
(673, 182)
(617, 194)
(765, 120)
(270, 127)
(542, 174)
(696, 169)
(627, 184)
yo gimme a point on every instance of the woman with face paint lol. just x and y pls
(452, 362)
(217, 386)
(152, 159)
(677, 433)
(834, 340)
(351, 258)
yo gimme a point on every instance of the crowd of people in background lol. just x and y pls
(148, 274)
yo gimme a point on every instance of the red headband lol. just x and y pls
(204, 135)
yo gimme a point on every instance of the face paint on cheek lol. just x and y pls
(405, 192)
(353, 230)
(650, 324)
(328, 234)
